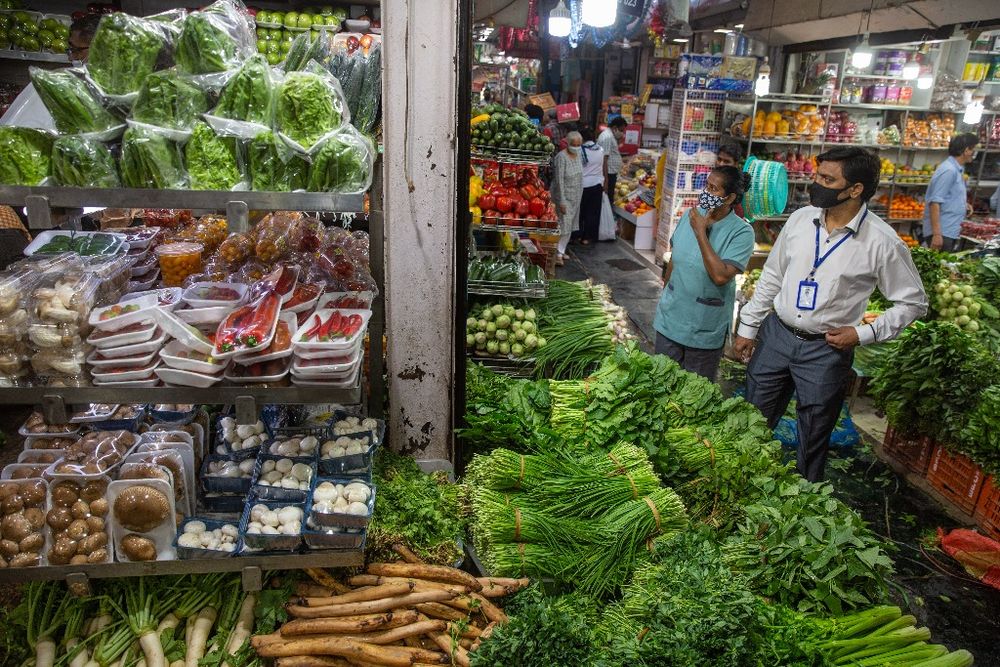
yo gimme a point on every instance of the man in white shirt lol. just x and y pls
(818, 278)
(609, 139)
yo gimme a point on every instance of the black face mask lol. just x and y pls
(824, 197)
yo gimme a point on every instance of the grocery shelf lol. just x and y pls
(494, 288)
(880, 107)
(516, 368)
(34, 56)
(510, 156)
(515, 228)
(906, 184)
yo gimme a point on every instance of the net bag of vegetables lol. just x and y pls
(214, 41)
(150, 160)
(24, 155)
(310, 106)
(246, 104)
(169, 102)
(273, 166)
(83, 162)
(342, 163)
(74, 107)
(125, 50)
(212, 161)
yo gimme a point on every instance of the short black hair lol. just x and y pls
(859, 166)
(534, 111)
(618, 121)
(732, 150)
(960, 142)
(587, 133)
(734, 181)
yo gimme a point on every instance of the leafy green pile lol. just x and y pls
(249, 95)
(987, 278)
(928, 263)
(273, 166)
(574, 323)
(211, 160)
(204, 46)
(72, 105)
(341, 164)
(24, 155)
(123, 52)
(307, 109)
(501, 412)
(980, 439)
(83, 163)
(419, 510)
(167, 100)
(150, 160)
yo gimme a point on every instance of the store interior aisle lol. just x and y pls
(634, 281)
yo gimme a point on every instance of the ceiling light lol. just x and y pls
(600, 13)
(724, 31)
(738, 26)
(763, 84)
(911, 70)
(862, 56)
(680, 40)
(560, 22)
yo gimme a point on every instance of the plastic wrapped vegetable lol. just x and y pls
(215, 39)
(248, 96)
(273, 166)
(371, 92)
(211, 160)
(167, 100)
(304, 49)
(24, 155)
(72, 105)
(123, 52)
(310, 105)
(343, 163)
(84, 163)
(150, 160)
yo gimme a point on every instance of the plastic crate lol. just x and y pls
(956, 477)
(914, 453)
(987, 512)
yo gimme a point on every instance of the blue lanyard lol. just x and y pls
(817, 260)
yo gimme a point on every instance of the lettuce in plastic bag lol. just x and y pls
(249, 95)
(84, 163)
(167, 100)
(72, 105)
(123, 52)
(211, 160)
(216, 38)
(310, 105)
(342, 163)
(273, 166)
(150, 160)
(24, 155)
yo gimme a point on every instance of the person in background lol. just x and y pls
(594, 178)
(824, 266)
(609, 140)
(81, 34)
(567, 190)
(554, 131)
(946, 204)
(731, 155)
(535, 114)
(710, 246)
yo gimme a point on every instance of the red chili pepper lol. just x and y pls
(313, 329)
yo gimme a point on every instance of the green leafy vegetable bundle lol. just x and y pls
(72, 105)
(306, 48)
(205, 46)
(273, 166)
(211, 160)
(83, 163)
(124, 51)
(167, 100)
(343, 163)
(309, 106)
(249, 95)
(24, 155)
(150, 160)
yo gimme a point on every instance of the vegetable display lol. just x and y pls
(167, 100)
(24, 155)
(342, 163)
(123, 52)
(83, 163)
(494, 126)
(273, 166)
(249, 95)
(503, 330)
(73, 107)
(211, 160)
(309, 106)
(517, 201)
(510, 269)
(150, 160)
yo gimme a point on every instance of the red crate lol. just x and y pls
(956, 477)
(914, 453)
(987, 513)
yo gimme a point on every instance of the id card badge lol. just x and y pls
(807, 295)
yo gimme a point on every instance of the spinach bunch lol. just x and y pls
(83, 163)
(124, 52)
(150, 160)
(343, 163)
(980, 438)
(211, 160)
(273, 166)
(24, 155)
(72, 105)
(167, 100)
(249, 95)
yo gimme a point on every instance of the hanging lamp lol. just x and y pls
(600, 13)
(560, 22)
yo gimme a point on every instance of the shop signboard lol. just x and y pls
(544, 100)
(567, 113)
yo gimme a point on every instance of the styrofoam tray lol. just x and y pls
(147, 305)
(307, 305)
(30, 440)
(340, 344)
(257, 379)
(191, 299)
(329, 299)
(138, 361)
(150, 346)
(80, 484)
(95, 417)
(44, 237)
(34, 456)
(351, 382)
(197, 439)
(188, 336)
(179, 378)
(167, 297)
(198, 316)
(162, 535)
(351, 354)
(124, 339)
(245, 359)
(73, 430)
(37, 470)
(144, 266)
(170, 358)
(128, 376)
(325, 372)
(263, 345)
(137, 237)
(131, 384)
(186, 453)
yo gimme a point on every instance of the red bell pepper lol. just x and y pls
(537, 207)
(528, 191)
(505, 204)
(487, 202)
(523, 208)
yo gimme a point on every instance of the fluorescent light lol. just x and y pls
(724, 31)
(560, 22)
(600, 13)
(738, 26)
(925, 80)
(862, 56)
(763, 84)
(911, 70)
(680, 40)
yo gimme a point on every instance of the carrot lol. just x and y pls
(349, 624)
(407, 555)
(436, 610)
(361, 595)
(369, 606)
(418, 584)
(391, 656)
(432, 572)
(458, 654)
(322, 578)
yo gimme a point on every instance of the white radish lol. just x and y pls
(45, 652)
(203, 623)
(152, 649)
(244, 625)
(169, 622)
(81, 657)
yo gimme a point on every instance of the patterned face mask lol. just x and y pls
(708, 201)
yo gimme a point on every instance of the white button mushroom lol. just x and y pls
(283, 465)
(257, 511)
(269, 530)
(301, 472)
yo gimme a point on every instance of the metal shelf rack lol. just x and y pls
(492, 288)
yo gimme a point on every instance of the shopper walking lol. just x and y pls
(594, 178)
(818, 278)
(945, 202)
(609, 139)
(554, 131)
(567, 190)
(710, 246)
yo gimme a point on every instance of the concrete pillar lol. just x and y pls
(419, 122)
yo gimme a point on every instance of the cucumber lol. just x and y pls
(371, 93)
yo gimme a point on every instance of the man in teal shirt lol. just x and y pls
(710, 246)
(945, 200)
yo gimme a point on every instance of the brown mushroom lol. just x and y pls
(33, 542)
(93, 543)
(141, 508)
(136, 547)
(78, 530)
(59, 518)
(80, 509)
(65, 494)
(9, 548)
(35, 517)
(24, 560)
(33, 493)
(99, 507)
(93, 490)
(95, 524)
(15, 527)
(101, 555)
(13, 504)
(78, 559)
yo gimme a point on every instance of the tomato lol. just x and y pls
(537, 207)
(523, 208)
(487, 202)
(505, 204)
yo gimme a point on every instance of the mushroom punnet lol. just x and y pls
(141, 508)
(137, 547)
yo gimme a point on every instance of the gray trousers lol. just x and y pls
(703, 362)
(816, 372)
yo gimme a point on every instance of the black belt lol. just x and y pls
(800, 334)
